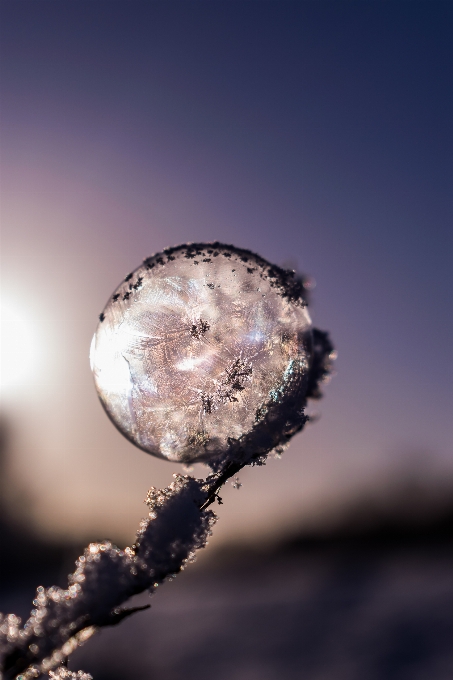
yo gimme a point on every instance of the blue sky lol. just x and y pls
(316, 133)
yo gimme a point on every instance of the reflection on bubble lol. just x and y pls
(194, 344)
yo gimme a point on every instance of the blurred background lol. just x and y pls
(318, 134)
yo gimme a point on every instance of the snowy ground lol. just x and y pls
(329, 613)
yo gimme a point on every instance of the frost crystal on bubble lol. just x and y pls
(195, 349)
(205, 352)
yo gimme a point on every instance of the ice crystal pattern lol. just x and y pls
(256, 363)
(200, 349)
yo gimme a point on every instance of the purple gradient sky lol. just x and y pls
(318, 133)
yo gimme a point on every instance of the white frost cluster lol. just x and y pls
(204, 353)
(105, 578)
(64, 674)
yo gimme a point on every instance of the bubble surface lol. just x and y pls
(199, 349)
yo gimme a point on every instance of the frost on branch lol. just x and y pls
(205, 353)
(104, 579)
(63, 674)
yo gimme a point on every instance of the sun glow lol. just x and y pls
(19, 348)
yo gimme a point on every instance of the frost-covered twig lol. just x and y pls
(244, 321)
(63, 674)
(179, 523)
(105, 578)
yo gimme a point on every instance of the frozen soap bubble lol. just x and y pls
(203, 352)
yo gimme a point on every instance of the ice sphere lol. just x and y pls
(204, 350)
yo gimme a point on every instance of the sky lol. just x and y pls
(318, 134)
